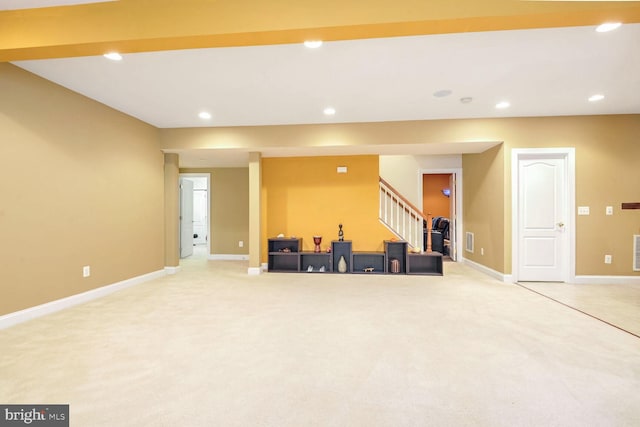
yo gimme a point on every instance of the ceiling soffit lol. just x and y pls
(146, 25)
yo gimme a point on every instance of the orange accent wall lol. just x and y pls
(433, 201)
(305, 196)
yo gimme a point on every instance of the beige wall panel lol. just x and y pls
(171, 210)
(607, 174)
(229, 219)
(483, 206)
(80, 184)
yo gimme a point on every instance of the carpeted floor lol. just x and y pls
(212, 346)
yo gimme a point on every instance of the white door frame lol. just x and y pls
(208, 177)
(569, 252)
(458, 204)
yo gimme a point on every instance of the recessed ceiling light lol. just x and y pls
(442, 93)
(204, 115)
(313, 44)
(502, 105)
(608, 26)
(329, 111)
(114, 56)
(466, 99)
(597, 97)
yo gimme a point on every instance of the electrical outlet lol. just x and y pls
(607, 259)
(583, 210)
(481, 251)
(86, 271)
(241, 244)
(609, 210)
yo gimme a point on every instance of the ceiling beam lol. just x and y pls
(152, 25)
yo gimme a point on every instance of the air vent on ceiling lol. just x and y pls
(469, 242)
(636, 252)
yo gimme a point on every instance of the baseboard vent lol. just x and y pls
(636, 252)
(469, 242)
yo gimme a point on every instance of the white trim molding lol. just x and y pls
(607, 280)
(254, 271)
(506, 278)
(228, 257)
(172, 270)
(30, 313)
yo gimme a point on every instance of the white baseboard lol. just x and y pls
(506, 278)
(228, 257)
(172, 270)
(265, 266)
(254, 271)
(30, 313)
(607, 280)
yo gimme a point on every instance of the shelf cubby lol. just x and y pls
(284, 254)
(428, 263)
(341, 248)
(315, 260)
(362, 261)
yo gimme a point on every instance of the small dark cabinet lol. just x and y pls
(284, 254)
(396, 250)
(369, 262)
(429, 263)
(341, 249)
(315, 262)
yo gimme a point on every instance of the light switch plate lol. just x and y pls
(609, 210)
(583, 210)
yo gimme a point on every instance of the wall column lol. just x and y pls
(171, 213)
(255, 189)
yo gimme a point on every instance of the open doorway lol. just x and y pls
(442, 198)
(194, 225)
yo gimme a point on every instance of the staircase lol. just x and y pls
(401, 217)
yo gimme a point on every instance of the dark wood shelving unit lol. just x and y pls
(286, 256)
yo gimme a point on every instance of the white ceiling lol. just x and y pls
(542, 72)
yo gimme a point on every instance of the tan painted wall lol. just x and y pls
(607, 174)
(483, 206)
(402, 173)
(305, 196)
(80, 184)
(607, 153)
(229, 221)
(171, 210)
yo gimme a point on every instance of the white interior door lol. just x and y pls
(186, 218)
(542, 218)
(200, 218)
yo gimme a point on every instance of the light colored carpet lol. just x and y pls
(212, 346)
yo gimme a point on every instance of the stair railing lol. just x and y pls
(400, 216)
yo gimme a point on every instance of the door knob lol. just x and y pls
(561, 224)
